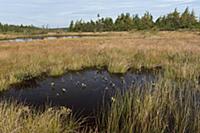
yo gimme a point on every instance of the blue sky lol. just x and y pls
(58, 13)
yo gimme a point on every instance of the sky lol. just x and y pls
(59, 13)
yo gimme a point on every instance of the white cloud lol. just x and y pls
(179, 1)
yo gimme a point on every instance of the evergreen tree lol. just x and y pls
(136, 22)
(193, 19)
(125, 22)
(108, 24)
(187, 19)
(71, 26)
(173, 20)
(146, 21)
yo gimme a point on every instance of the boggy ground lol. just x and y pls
(173, 105)
(177, 52)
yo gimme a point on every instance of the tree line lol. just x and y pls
(125, 22)
(6, 28)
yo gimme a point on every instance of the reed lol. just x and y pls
(166, 107)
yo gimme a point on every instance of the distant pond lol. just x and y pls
(29, 39)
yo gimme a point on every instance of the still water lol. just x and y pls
(82, 91)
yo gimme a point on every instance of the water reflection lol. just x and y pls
(81, 91)
(39, 38)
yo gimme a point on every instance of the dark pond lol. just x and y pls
(82, 91)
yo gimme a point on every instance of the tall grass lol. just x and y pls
(167, 107)
(15, 118)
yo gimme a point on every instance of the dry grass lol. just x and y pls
(177, 52)
(21, 119)
(172, 106)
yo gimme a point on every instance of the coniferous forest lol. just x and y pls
(6, 28)
(127, 22)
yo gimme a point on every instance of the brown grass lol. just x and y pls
(177, 52)
(15, 118)
(172, 107)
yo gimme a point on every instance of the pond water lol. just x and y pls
(40, 38)
(82, 91)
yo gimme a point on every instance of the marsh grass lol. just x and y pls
(165, 107)
(15, 118)
(177, 52)
(170, 105)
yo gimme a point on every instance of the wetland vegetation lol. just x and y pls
(170, 104)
